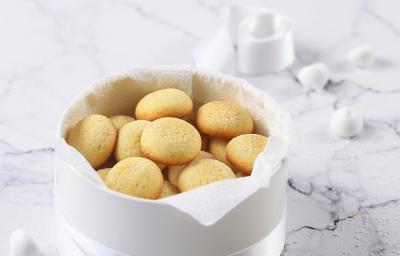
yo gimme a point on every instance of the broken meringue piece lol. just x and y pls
(314, 76)
(345, 123)
(361, 56)
(22, 244)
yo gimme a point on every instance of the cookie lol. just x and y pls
(128, 140)
(94, 137)
(168, 190)
(169, 102)
(120, 120)
(224, 119)
(242, 151)
(217, 147)
(173, 172)
(170, 141)
(103, 173)
(136, 176)
(203, 172)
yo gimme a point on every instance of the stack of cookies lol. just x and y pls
(159, 153)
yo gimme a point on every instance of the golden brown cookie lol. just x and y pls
(224, 119)
(103, 173)
(169, 102)
(242, 151)
(170, 141)
(121, 120)
(136, 176)
(203, 172)
(173, 172)
(168, 190)
(94, 137)
(217, 147)
(128, 140)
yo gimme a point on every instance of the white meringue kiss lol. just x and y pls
(361, 56)
(345, 123)
(22, 244)
(314, 76)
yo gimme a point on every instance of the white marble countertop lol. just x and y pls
(344, 195)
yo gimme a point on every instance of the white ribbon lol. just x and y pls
(71, 242)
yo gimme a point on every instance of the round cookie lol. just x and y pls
(173, 172)
(103, 173)
(204, 172)
(136, 176)
(242, 151)
(168, 190)
(170, 141)
(94, 137)
(128, 140)
(217, 147)
(169, 102)
(121, 120)
(224, 119)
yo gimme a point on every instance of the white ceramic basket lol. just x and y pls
(94, 220)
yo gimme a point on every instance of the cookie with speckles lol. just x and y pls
(224, 119)
(203, 172)
(243, 150)
(168, 102)
(94, 137)
(170, 141)
(217, 147)
(173, 172)
(128, 140)
(136, 176)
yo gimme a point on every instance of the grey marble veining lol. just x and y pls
(344, 195)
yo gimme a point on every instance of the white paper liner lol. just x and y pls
(210, 203)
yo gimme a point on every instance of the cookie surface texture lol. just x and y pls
(242, 151)
(204, 172)
(224, 119)
(173, 172)
(136, 176)
(128, 140)
(170, 141)
(169, 102)
(94, 137)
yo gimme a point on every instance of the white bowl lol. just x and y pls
(134, 226)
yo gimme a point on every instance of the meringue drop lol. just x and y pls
(314, 76)
(346, 123)
(361, 56)
(22, 244)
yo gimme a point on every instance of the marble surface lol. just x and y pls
(344, 195)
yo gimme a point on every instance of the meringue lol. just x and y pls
(314, 76)
(22, 244)
(361, 56)
(346, 123)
